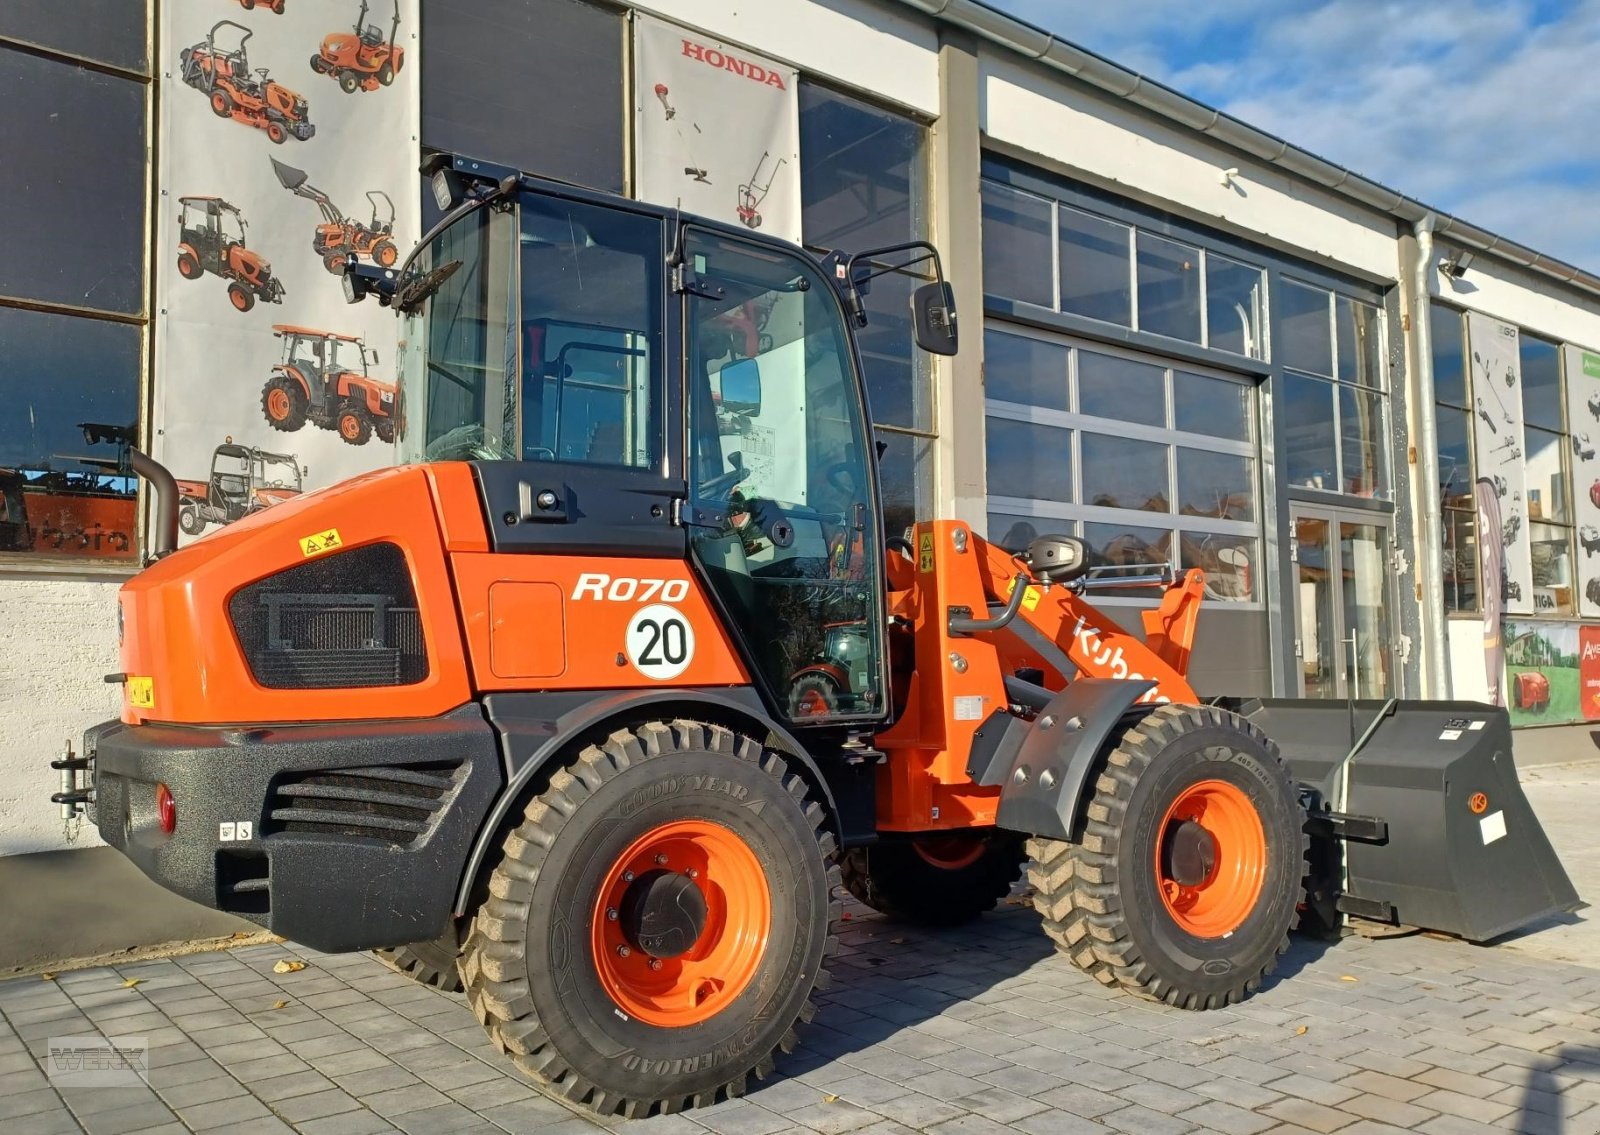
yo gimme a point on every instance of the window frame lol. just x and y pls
(142, 320)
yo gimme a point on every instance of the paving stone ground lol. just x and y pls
(977, 1031)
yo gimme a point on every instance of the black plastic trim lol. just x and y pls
(597, 509)
(329, 891)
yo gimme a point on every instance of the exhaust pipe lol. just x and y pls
(164, 539)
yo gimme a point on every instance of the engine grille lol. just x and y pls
(345, 621)
(392, 803)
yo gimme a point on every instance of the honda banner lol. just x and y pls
(1497, 421)
(716, 129)
(288, 147)
(1583, 419)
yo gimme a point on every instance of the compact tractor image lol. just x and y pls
(243, 480)
(224, 76)
(362, 60)
(339, 237)
(530, 713)
(324, 379)
(211, 238)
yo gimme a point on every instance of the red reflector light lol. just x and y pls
(166, 809)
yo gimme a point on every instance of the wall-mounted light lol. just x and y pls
(1456, 264)
(1225, 178)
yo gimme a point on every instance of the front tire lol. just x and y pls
(657, 922)
(935, 880)
(241, 297)
(1184, 882)
(354, 426)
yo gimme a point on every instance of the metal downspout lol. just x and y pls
(1430, 516)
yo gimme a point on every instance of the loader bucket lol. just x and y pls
(1423, 798)
(288, 177)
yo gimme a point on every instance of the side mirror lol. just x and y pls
(375, 361)
(1059, 559)
(933, 316)
(741, 387)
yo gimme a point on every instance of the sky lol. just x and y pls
(1487, 109)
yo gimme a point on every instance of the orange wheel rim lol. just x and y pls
(1211, 858)
(278, 404)
(348, 425)
(718, 909)
(238, 299)
(950, 853)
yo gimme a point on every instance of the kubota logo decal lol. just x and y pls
(1109, 660)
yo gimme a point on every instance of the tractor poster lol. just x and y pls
(1543, 670)
(1496, 370)
(1583, 419)
(289, 145)
(716, 129)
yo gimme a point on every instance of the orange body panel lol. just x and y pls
(958, 680)
(455, 497)
(177, 631)
(591, 617)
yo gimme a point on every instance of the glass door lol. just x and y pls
(1343, 640)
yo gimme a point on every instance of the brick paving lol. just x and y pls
(979, 1031)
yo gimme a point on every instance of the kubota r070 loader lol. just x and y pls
(605, 699)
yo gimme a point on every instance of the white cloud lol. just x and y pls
(1485, 108)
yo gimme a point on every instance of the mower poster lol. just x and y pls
(716, 129)
(289, 147)
(1589, 672)
(1543, 673)
(1583, 419)
(1496, 369)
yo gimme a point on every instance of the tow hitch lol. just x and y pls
(77, 788)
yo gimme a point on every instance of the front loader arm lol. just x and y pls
(1095, 645)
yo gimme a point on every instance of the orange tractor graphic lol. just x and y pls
(224, 76)
(211, 238)
(339, 236)
(364, 59)
(324, 379)
(270, 5)
(243, 480)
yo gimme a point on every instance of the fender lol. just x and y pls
(536, 729)
(1043, 766)
(294, 373)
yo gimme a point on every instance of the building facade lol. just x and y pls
(1373, 425)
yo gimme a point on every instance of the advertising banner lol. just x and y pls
(288, 145)
(1542, 673)
(1497, 426)
(1589, 672)
(716, 129)
(1491, 567)
(1583, 419)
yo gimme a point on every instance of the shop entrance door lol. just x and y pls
(1343, 643)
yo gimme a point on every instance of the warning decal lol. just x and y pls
(320, 542)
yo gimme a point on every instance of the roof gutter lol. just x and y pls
(1034, 43)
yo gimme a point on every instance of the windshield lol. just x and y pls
(544, 344)
(348, 356)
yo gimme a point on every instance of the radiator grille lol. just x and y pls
(344, 621)
(393, 803)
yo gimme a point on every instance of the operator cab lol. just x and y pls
(629, 382)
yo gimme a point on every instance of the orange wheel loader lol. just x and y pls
(542, 710)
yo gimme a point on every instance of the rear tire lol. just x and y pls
(221, 104)
(428, 963)
(1172, 782)
(935, 881)
(284, 404)
(188, 266)
(549, 988)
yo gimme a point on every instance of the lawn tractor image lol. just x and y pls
(362, 60)
(339, 237)
(224, 76)
(753, 192)
(243, 480)
(1589, 540)
(211, 239)
(324, 379)
(1530, 691)
(528, 713)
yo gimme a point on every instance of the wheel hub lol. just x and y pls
(1191, 853)
(663, 914)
